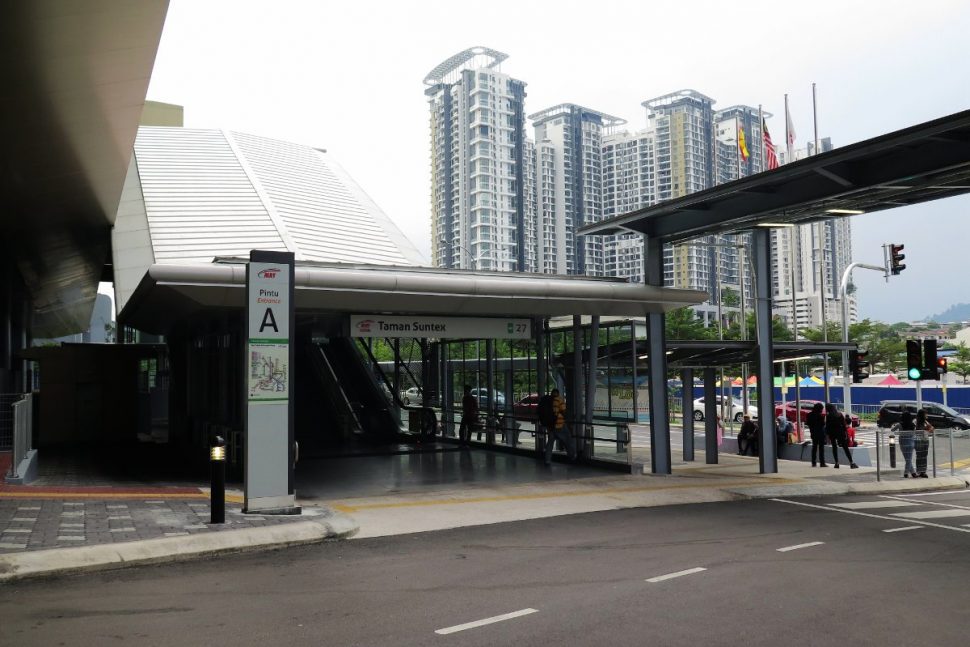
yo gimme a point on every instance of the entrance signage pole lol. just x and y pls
(270, 328)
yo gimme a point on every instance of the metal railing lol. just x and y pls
(948, 451)
(23, 431)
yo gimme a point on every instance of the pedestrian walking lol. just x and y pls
(837, 432)
(559, 430)
(922, 445)
(469, 416)
(907, 442)
(816, 427)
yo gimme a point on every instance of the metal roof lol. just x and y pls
(917, 164)
(443, 70)
(169, 294)
(700, 354)
(567, 108)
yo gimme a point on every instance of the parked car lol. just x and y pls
(411, 395)
(806, 408)
(736, 408)
(527, 408)
(498, 398)
(938, 415)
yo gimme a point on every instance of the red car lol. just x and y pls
(527, 408)
(806, 408)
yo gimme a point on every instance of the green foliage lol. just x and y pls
(683, 324)
(960, 363)
(779, 331)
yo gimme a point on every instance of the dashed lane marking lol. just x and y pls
(486, 621)
(932, 514)
(799, 546)
(903, 528)
(865, 505)
(867, 514)
(670, 576)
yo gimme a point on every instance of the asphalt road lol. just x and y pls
(881, 570)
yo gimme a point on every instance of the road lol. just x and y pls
(813, 571)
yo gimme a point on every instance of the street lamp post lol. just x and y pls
(844, 295)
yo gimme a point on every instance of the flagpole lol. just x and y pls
(737, 136)
(788, 136)
(815, 119)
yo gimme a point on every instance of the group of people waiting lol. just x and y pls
(828, 427)
(913, 434)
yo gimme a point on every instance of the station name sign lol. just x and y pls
(440, 327)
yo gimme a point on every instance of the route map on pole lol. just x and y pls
(269, 372)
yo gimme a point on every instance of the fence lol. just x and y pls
(948, 451)
(22, 414)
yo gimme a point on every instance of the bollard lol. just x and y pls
(217, 472)
(892, 450)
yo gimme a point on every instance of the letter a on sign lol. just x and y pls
(268, 321)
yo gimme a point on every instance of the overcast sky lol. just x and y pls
(348, 77)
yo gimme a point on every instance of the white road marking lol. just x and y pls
(939, 503)
(486, 621)
(121, 529)
(670, 576)
(935, 493)
(865, 505)
(797, 546)
(25, 519)
(933, 514)
(9, 545)
(29, 507)
(903, 528)
(17, 530)
(867, 514)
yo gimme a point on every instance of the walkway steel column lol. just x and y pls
(542, 376)
(445, 392)
(767, 442)
(710, 415)
(594, 351)
(574, 403)
(687, 377)
(653, 266)
(490, 399)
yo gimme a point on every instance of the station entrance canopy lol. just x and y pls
(169, 294)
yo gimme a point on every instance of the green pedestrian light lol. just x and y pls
(914, 373)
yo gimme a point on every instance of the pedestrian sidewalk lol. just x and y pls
(57, 530)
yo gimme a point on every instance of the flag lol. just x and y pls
(789, 128)
(742, 146)
(771, 158)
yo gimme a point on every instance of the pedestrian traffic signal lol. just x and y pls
(930, 369)
(914, 359)
(941, 365)
(896, 257)
(858, 365)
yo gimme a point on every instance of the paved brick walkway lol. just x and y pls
(42, 518)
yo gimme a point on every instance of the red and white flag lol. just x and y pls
(771, 158)
(789, 128)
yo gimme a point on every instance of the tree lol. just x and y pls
(779, 331)
(683, 324)
(960, 363)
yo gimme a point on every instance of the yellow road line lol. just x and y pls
(958, 464)
(545, 495)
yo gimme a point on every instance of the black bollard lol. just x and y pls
(217, 471)
(892, 450)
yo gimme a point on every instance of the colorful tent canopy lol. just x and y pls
(890, 379)
(811, 380)
(789, 380)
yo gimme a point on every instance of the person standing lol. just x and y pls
(836, 430)
(783, 427)
(816, 427)
(559, 430)
(922, 445)
(469, 416)
(907, 442)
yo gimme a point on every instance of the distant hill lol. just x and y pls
(955, 314)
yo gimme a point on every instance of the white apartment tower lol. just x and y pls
(629, 183)
(480, 161)
(569, 187)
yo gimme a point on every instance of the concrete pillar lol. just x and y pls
(710, 415)
(767, 442)
(653, 265)
(687, 376)
(594, 351)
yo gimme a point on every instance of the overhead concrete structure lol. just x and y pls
(73, 77)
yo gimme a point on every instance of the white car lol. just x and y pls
(411, 395)
(736, 408)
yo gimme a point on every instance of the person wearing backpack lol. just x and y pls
(555, 424)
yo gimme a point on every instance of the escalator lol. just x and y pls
(349, 402)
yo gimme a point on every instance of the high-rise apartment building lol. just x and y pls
(569, 187)
(629, 183)
(479, 164)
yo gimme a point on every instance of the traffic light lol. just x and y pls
(896, 257)
(930, 369)
(858, 365)
(941, 365)
(914, 359)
